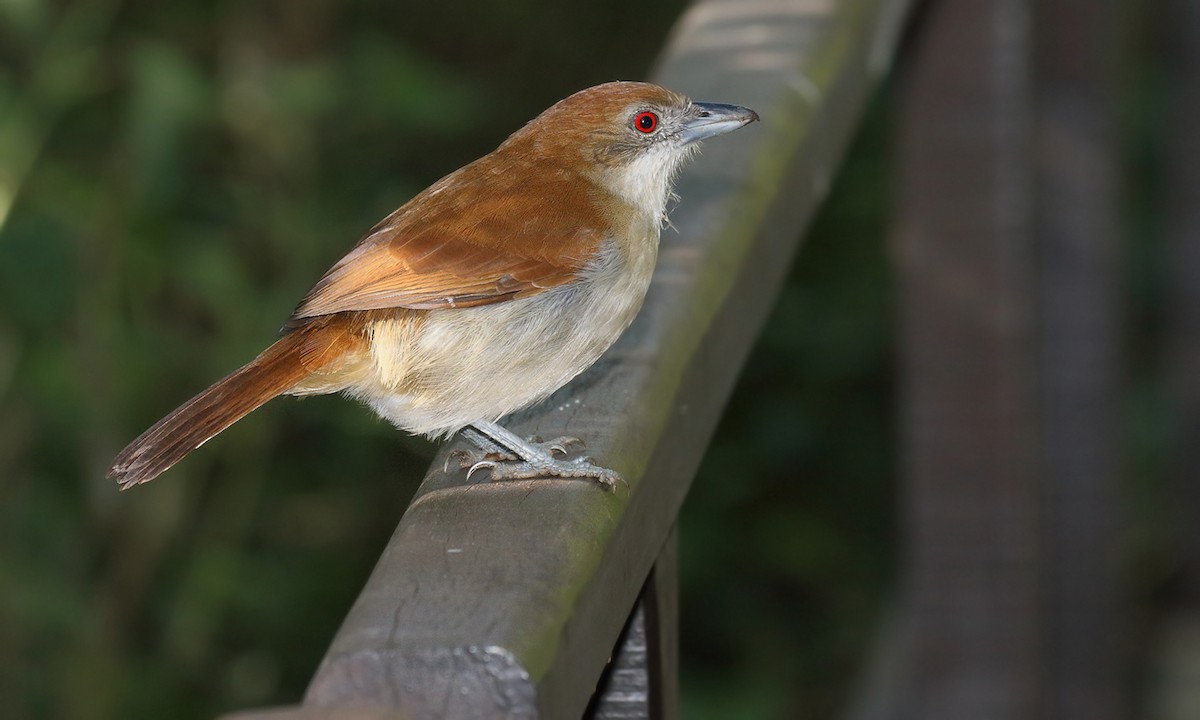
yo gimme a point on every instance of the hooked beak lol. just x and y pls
(708, 119)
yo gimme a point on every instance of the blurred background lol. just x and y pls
(174, 176)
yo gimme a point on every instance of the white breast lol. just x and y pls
(482, 363)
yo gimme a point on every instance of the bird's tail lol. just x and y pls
(278, 369)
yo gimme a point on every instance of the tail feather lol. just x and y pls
(278, 369)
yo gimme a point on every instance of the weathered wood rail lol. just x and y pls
(508, 599)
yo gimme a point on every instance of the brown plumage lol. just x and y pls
(485, 292)
(295, 356)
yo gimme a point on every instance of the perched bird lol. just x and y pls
(483, 294)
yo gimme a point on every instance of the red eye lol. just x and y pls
(645, 122)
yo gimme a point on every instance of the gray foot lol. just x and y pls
(575, 469)
(489, 451)
(509, 457)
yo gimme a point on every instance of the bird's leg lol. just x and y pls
(498, 453)
(491, 449)
(511, 458)
(487, 450)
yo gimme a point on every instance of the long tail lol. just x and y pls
(278, 369)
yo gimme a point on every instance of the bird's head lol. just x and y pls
(628, 137)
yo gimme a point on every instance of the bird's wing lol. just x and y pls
(463, 243)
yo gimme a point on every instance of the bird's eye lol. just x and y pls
(645, 122)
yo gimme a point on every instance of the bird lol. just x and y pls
(484, 293)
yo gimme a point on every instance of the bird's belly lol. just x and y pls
(437, 372)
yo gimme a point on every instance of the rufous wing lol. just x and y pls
(473, 238)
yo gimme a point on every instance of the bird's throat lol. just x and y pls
(645, 181)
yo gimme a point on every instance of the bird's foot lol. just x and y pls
(558, 446)
(463, 458)
(509, 457)
(548, 467)
(494, 453)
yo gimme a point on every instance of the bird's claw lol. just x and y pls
(563, 445)
(482, 464)
(559, 446)
(533, 459)
(467, 458)
(549, 464)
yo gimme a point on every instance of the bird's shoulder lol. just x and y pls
(487, 233)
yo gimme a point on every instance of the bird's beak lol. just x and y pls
(709, 119)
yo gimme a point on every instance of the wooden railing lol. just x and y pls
(510, 599)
